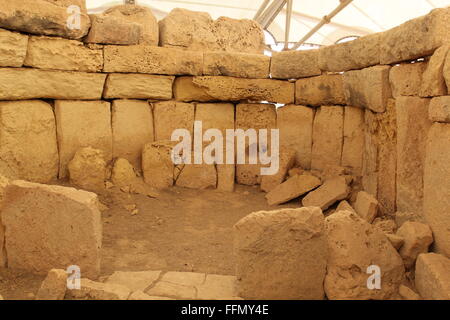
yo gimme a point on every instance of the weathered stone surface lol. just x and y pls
(113, 30)
(366, 206)
(50, 227)
(408, 293)
(132, 128)
(3, 183)
(296, 127)
(439, 109)
(123, 173)
(43, 18)
(433, 81)
(234, 64)
(218, 287)
(185, 90)
(353, 246)
(323, 90)
(66, 3)
(286, 162)
(327, 194)
(157, 164)
(417, 239)
(261, 238)
(197, 31)
(446, 72)
(295, 64)
(385, 224)
(92, 119)
(13, 48)
(91, 290)
(198, 176)
(28, 148)
(170, 115)
(138, 86)
(368, 88)
(62, 54)
(406, 79)
(141, 15)
(416, 38)
(292, 188)
(395, 240)
(54, 286)
(345, 206)
(328, 130)
(139, 295)
(353, 147)
(135, 281)
(436, 188)
(432, 276)
(151, 59)
(412, 129)
(178, 285)
(24, 84)
(87, 169)
(402, 217)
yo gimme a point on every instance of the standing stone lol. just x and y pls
(13, 48)
(412, 130)
(28, 148)
(234, 64)
(82, 124)
(295, 64)
(366, 206)
(87, 170)
(54, 286)
(170, 116)
(328, 133)
(272, 263)
(353, 147)
(292, 188)
(327, 194)
(113, 30)
(354, 245)
(132, 128)
(406, 78)
(433, 81)
(50, 227)
(417, 239)
(432, 278)
(138, 86)
(327, 89)
(439, 110)
(436, 190)
(157, 165)
(296, 128)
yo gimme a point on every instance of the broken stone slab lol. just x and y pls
(107, 29)
(319, 91)
(13, 48)
(439, 109)
(91, 290)
(286, 162)
(345, 206)
(295, 64)
(135, 281)
(217, 287)
(139, 295)
(292, 188)
(416, 38)
(366, 206)
(27, 83)
(87, 170)
(49, 227)
(54, 286)
(171, 115)
(62, 54)
(93, 118)
(28, 148)
(327, 194)
(408, 294)
(354, 245)
(234, 64)
(353, 145)
(138, 86)
(152, 60)
(368, 88)
(357, 54)
(157, 165)
(433, 81)
(132, 128)
(406, 78)
(43, 18)
(417, 239)
(260, 239)
(432, 278)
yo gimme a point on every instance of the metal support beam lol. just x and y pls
(288, 24)
(267, 17)
(261, 9)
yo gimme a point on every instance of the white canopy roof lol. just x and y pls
(360, 18)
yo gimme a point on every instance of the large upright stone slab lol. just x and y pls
(43, 18)
(132, 128)
(433, 81)
(82, 124)
(295, 64)
(296, 128)
(138, 86)
(327, 89)
(28, 148)
(406, 78)
(272, 263)
(26, 83)
(292, 188)
(234, 64)
(353, 147)
(50, 227)
(432, 277)
(13, 48)
(170, 116)
(157, 164)
(436, 188)
(328, 139)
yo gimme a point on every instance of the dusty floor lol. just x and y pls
(181, 230)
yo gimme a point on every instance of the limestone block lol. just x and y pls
(28, 148)
(13, 48)
(91, 290)
(368, 88)
(132, 128)
(436, 188)
(432, 276)
(3, 183)
(417, 239)
(43, 18)
(353, 145)
(138, 86)
(327, 89)
(293, 188)
(113, 30)
(123, 173)
(82, 124)
(439, 110)
(328, 130)
(157, 164)
(416, 38)
(408, 293)
(50, 227)
(328, 193)
(198, 176)
(54, 286)
(345, 206)
(62, 54)
(395, 240)
(135, 281)
(171, 115)
(286, 162)
(218, 287)
(185, 90)
(366, 206)
(406, 78)
(234, 64)
(87, 170)
(151, 59)
(24, 84)
(260, 239)
(295, 64)
(433, 81)
(354, 245)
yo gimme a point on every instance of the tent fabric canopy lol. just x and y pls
(360, 18)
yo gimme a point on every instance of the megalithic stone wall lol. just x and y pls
(377, 106)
